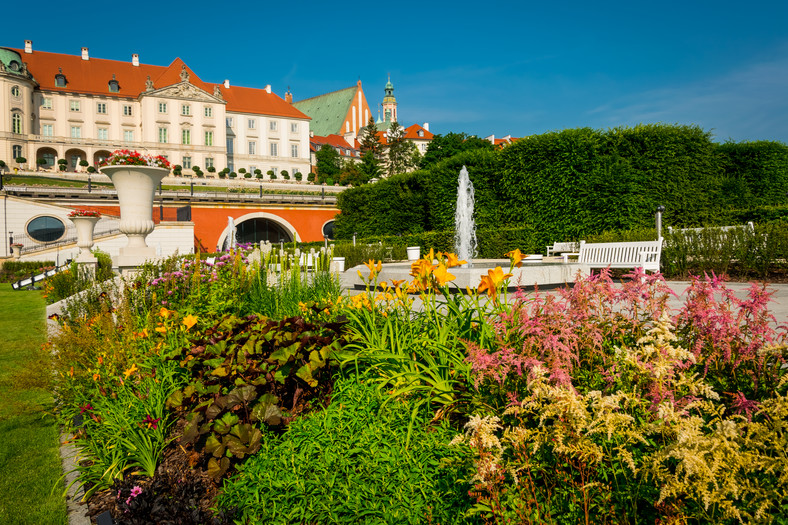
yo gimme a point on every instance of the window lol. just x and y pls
(274, 149)
(187, 163)
(272, 125)
(16, 151)
(209, 162)
(163, 135)
(230, 145)
(186, 109)
(47, 130)
(76, 132)
(128, 135)
(252, 145)
(16, 124)
(114, 87)
(251, 123)
(46, 103)
(294, 150)
(103, 134)
(73, 105)
(162, 107)
(294, 127)
(60, 79)
(15, 91)
(208, 111)
(45, 229)
(229, 122)
(209, 138)
(186, 136)
(101, 107)
(126, 110)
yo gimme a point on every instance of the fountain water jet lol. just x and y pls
(464, 225)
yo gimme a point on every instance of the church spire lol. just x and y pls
(389, 103)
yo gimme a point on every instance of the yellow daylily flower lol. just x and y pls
(130, 371)
(452, 260)
(516, 256)
(374, 268)
(164, 313)
(189, 321)
(161, 329)
(442, 274)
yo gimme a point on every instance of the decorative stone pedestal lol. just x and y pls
(136, 187)
(85, 227)
(16, 251)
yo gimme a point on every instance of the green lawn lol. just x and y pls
(30, 491)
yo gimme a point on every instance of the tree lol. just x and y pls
(370, 166)
(177, 169)
(352, 174)
(285, 174)
(443, 147)
(258, 173)
(211, 169)
(310, 177)
(297, 176)
(328, 163)
(400, 151)
(271, 175)
(369, 139)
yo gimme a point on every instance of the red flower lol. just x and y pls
(152, 423)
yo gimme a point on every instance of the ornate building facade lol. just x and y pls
(74, 107)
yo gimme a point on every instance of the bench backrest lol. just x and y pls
(559, 247)
(620, 253)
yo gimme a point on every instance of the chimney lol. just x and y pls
(28, 46)
(85, 54)
(288, 96)
(226, 83)
(135, 59)
(268, 88)
(426, 126)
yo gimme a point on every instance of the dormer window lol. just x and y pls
(421, 133)
(114, 87)
(14, 65)
(60, 78)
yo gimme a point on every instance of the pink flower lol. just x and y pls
(152, 423)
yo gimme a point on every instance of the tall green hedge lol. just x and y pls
(576, 183)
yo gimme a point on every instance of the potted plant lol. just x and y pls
(84, 163)
(41, 163)
(62, 164)
(298, 176)
(85, 222)
(177, 169)
(16, 250)
(20, 161)
(211, 169)
(91, 169)
(285, 175)
(258, 173)
(233, 175)
(136, 178)
(271, 175)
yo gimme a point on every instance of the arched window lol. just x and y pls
(60, 78)
(16, 123)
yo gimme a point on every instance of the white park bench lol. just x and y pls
(563, 247)
(641, 254)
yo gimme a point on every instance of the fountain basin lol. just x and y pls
(543, 274)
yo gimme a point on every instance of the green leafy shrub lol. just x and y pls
(77, 278)
(352, 463)
(248, 370)
(12, 271)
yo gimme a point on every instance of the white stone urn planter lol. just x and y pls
(414, 253)
(85, 227)
(338, 264)
(16, 251)
(136, 186)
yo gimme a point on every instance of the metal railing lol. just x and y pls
(179, 195)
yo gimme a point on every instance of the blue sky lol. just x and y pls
(482, 67)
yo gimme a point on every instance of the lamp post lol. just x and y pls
(354, 238)
(161, 205)
(658, 218)
(90, 187)
(192, 188)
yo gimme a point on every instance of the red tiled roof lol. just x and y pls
(412, 132)
(93, 76)
(337, 141)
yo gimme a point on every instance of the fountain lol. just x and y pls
(534, 271)
(464, 225)
(231, 233)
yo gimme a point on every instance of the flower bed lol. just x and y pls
(596, 404)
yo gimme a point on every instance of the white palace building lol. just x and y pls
(75, 107)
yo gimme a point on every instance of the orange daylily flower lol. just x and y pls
(442, 274)
(492, 281)
(161, 329)
(189, 321)
(452, 260)
(516, 257)
(396, 283)
(374, 269)
(430, 256)
(164, 313)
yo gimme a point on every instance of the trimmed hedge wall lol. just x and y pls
(582, 182)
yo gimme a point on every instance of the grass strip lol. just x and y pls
(30, 490)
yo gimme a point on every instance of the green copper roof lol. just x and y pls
(327, 111)
(12, 61)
